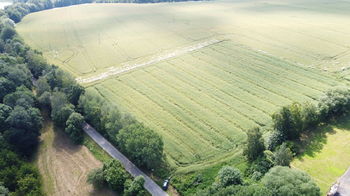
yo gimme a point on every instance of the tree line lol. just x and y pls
(20, 117)
(21, 8)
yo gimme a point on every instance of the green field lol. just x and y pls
(205, 72)
(326, 159)
(202, 102)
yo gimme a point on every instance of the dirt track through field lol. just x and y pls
(127, 67)
(64, 166)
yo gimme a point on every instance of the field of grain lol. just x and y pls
(199, 73)
(89, 39)
(203, 102)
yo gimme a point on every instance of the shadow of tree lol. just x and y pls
(312, 143)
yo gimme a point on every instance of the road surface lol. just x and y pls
(149, 185)
(344, 184)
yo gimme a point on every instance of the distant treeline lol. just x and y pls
(139, 1)
(20, 8)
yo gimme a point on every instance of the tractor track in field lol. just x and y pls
(129, 67)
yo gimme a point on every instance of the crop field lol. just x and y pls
(92, 38)
(203, 101)
(200, 74)
(326, 158)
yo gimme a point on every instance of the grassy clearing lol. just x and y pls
(326, 158)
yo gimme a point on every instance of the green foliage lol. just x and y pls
(60, 108)
(28, 119)
(333, 103)
(135, 188)
(18, 177)
(96, 178)
(18, 74)
(229, 176)
(6, 87)
(21, 97)
(115, 175)
(36, 63)
(23, 129)
(74, 127)
(5, 111)
(7, 33)
(237, 190)
(289, 182)
(283, 155)
(310, 116)
(42, 86)
(259, 167)
(45, 99)
(29, 185)
(142, 145)
(3, 190)
(104, 116)
(255, 145)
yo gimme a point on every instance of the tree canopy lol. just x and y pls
(142, 144)
(290, 182)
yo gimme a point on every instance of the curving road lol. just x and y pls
(150, 185)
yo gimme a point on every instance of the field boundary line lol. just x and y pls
(129, 67)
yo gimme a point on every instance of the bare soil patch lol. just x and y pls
(64, 166)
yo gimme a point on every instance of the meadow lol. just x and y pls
(325, 158)
(201, 100)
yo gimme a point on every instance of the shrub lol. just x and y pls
(229, 176)
(289, 182)
(96, 178)
(283, 155)
(115, 175)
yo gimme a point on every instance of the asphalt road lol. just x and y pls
(149, 185)
(344, 184)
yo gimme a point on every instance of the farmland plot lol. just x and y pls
(89, 39)
(202, 102)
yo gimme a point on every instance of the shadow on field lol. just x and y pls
(313, 143)
(62, 142)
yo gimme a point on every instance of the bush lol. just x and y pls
(229, 176)
(283, 155)
(96, 178)
(289, 182)
(135, 188)
(115, 175)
